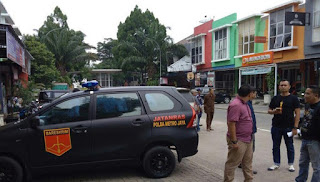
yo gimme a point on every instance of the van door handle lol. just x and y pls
(137, 122)
(80, 129)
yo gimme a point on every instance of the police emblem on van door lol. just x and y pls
(57, 141)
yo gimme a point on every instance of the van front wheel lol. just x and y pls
(10, 170)
(159, 162)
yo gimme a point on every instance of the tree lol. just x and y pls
(67, 45)
(141, 40)
(104, 53)
(43, 68)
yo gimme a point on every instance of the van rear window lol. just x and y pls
(159, 102)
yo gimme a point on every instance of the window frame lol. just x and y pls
(197, 50)
(94, 112)
(51, 106)
(177, 104)
(111, 93)
(221, 48)
(246, 32)
(315, 13)
(278, 35)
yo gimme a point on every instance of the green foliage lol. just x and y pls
(142, 43)
(270, 81)
(43, 69)
(67, 45)
(105, 54)
(26, 94)
(141, 40)
(152, 82)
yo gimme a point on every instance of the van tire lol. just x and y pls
(10, 170)
(159, 162)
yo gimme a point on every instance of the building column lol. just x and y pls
(109, 81)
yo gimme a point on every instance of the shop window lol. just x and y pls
(196, 51)
(220, 48)
(280, 35)
(316, 21)
(246, 37)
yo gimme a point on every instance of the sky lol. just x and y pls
(99, 19)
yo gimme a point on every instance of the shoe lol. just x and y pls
(200, 124)
(211, 129)
(255, 172)
(291, 168)
(240, 166)
(274, 167)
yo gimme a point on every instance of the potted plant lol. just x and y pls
(270, 84)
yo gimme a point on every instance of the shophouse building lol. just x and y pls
(201, 52)
(15, 61)
(223, 52)
(287, 44)
(312, 43)
(251, 60)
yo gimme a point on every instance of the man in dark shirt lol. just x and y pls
(283, 107)
(310, 132)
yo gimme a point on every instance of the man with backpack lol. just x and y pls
(310, 128)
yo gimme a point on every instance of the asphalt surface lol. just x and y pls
(208, 164)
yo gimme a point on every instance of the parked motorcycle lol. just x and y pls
(32, 108)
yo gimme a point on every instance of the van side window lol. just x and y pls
(76, 109)
(117, 105)
(159, 102)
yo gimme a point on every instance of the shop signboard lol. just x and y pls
(15, 51)
(256, 71)
(295, 19)
(210, 79)
(257, 59)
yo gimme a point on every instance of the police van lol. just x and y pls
(138, 125)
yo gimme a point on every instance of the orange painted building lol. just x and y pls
(287, 43)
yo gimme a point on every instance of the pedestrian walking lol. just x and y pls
(196, 107)
(239, 136)
(200, 111)
(283, 107)
(209, 100)
(310, 128)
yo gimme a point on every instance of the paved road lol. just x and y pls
(208, 164)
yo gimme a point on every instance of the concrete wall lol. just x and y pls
(204, 28)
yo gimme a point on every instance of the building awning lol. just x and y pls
(183, 64)
(221, 27)
(196, 36)
(247, 17)
(224, 68)
(281, 6)
(105, 70)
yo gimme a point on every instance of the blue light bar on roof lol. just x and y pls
(90, 84)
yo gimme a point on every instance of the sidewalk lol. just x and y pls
(258, 105)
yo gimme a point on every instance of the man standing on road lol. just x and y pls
(201, 103)
(209, 100)
(284, 106)
(310, 128)
(254, 122)
(239, 136)
(196, 107)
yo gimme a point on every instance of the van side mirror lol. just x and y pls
(35, 121)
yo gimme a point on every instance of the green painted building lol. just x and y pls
(223, 52)
(249, 44)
